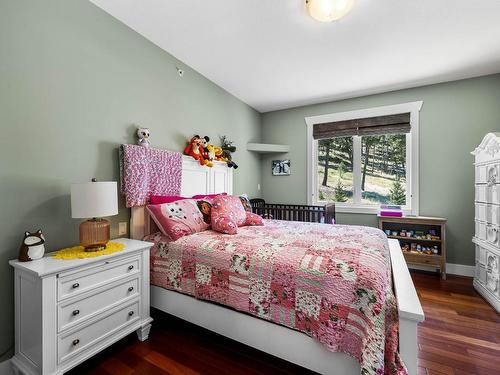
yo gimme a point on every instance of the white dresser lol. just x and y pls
(68, 310)
(487, 218)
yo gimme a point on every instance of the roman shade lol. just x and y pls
(390, 124)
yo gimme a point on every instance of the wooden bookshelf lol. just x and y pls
(419, 224)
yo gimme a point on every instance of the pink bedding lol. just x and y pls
(331, 282)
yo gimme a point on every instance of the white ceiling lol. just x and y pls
(272, 55)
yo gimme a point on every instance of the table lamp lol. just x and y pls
(93, 201)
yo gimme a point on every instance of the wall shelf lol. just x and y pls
(265, 148)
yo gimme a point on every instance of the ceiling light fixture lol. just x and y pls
(328, 10)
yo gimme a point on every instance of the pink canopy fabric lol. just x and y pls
(148, 171)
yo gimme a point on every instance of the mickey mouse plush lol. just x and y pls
(204, 145)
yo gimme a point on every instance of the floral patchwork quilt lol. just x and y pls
(331, 282)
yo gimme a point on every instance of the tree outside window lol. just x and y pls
(382, 169)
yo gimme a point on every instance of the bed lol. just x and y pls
(269, 326)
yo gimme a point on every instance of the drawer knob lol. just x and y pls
(131, 267)
(130, 313)
(131, 289)
(76, 285)
(76, 342)
(76, 312)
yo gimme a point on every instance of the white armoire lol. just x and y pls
(487, 218)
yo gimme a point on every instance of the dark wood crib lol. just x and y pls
(294, 212)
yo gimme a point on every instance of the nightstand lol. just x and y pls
(66, 311)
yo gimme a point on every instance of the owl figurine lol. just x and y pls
(143, 135)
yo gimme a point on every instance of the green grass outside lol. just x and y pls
(377, 187)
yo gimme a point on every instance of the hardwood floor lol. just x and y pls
(460, 336)
(461, 332)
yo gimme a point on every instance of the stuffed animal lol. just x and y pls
(218, 154)
(204, 145)
(211, 152)
(143, 134)
(195, 150)
(32, 247)
(227, 150)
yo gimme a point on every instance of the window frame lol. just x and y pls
(412, 157)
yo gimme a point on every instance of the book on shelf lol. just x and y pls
(390, 210)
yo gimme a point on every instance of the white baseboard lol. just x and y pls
(6, 368)
(451, 268)
(460, 269)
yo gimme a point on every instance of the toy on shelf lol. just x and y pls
(422, 239)
(227, 150)
(211, 152)
(219, 154)
(417, 235)
(195, 150)
(143, 135)
(204, 146)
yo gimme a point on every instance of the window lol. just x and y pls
(335, 172)
(362, 159)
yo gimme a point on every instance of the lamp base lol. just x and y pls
(94, 234)
(93, 248)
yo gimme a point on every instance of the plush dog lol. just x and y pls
(32, 247)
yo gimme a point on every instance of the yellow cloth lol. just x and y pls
(78, 252)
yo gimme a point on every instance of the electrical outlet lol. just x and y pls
(258, 187)
(122, 228)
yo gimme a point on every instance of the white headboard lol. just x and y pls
(196, 179)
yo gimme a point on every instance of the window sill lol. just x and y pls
(359, 208)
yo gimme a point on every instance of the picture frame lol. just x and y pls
(281, 167)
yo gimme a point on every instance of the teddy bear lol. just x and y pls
(195, 150)
(143, 135)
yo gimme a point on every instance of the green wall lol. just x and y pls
(73, 81)
(454, 118)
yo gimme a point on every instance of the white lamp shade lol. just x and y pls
(94, 199)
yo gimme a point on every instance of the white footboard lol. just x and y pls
(410, 310)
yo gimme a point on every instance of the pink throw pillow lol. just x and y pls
(227, 214)
(207, 197)
(252, 220)
(178, 219)
(159, 199)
